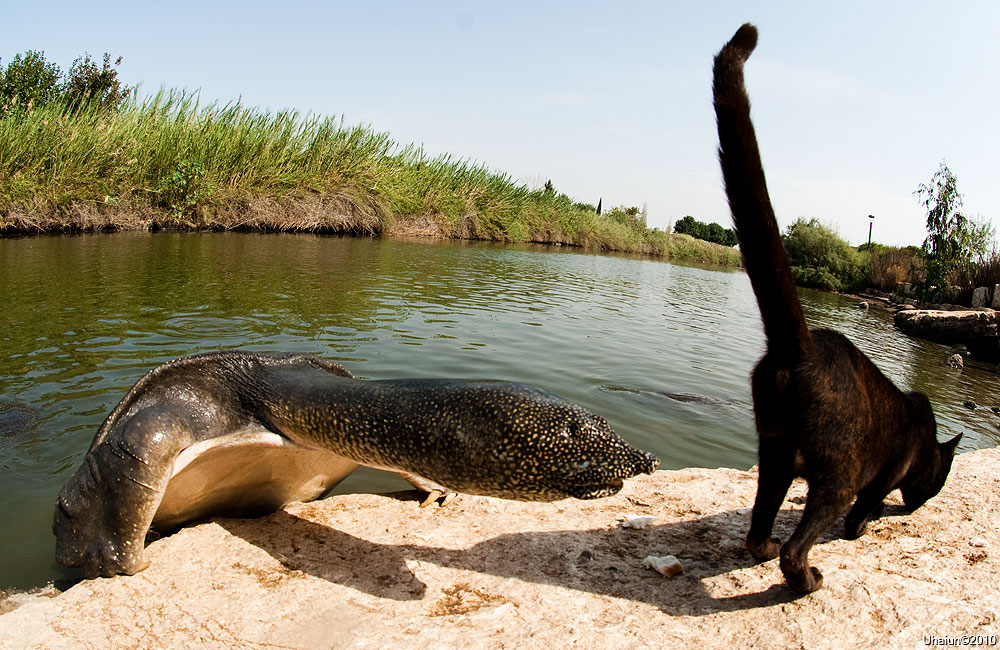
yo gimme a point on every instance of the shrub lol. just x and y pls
(631, 217)
(88, 83)
(820, 278)
(821, 259)
(987, 272)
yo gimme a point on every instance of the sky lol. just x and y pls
(855, 103)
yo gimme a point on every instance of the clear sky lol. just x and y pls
(856, 103)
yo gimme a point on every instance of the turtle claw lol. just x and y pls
(432, 496)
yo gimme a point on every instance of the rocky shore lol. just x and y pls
(976, 329)
(376, 571)
(973, 329)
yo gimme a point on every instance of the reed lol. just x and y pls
(168, 161)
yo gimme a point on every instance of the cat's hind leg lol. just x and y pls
(776, 469)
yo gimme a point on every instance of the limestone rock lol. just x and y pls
(376, 571)
(975, 328)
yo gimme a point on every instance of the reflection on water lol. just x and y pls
(663, 351)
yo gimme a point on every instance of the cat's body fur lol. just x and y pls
(822, 408)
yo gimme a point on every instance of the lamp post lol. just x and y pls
(871, 221)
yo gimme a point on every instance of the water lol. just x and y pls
(85, 316)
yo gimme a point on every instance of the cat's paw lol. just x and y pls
(766, 550)
(855, 529)
(806, 582)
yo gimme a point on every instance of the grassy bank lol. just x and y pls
(167, 162)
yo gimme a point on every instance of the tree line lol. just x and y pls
(958, 254)
(712, 232)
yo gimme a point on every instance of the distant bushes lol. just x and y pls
(632, 216)
(689, 248)
(712, 232)
(822, 260)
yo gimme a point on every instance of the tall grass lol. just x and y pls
(892, 267)
(169, 162)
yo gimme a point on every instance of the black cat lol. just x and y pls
(823, 410)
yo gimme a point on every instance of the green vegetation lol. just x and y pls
(29, 80)
(78, 154)
(821, 259)
(689, 248)
(712, 232)
(80, 151)
(958, 255)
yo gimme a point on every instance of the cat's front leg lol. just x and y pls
(867, 507)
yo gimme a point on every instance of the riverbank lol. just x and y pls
(319, 214)
(169, 163)
(367, 571)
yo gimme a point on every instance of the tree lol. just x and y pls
(691, 226)
(29, 80)
(952, 238)
(89, 84)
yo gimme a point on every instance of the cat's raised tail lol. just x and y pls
(757, 230)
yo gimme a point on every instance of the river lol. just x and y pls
(631, 339)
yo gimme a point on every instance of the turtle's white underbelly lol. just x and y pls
(245, 472)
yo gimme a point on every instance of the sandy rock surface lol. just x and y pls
(375, 571)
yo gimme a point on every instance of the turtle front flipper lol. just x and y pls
(104, 511)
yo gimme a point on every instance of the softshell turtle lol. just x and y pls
(239, 433)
